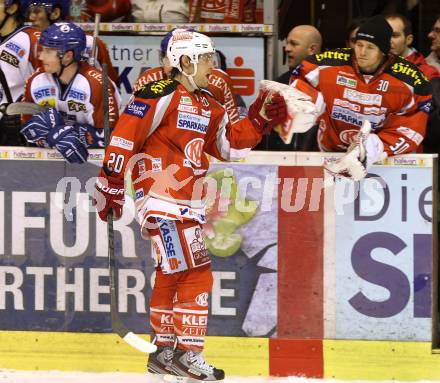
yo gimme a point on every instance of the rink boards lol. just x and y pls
(329, 280)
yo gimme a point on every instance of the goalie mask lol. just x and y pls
(192, 44)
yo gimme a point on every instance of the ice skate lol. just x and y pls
(159, 364)
(191, 367)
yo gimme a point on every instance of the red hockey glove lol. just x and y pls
(266, 114)
(109, 195)
(276, 110)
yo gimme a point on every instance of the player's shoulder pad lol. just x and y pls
(336, 57)
(156, 89)
(411, 75)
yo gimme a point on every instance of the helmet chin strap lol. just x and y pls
(190, 77)
(63, 66)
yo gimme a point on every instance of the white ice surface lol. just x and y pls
(9, 376)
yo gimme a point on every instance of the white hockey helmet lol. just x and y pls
(188, 43)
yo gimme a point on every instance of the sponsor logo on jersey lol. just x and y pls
(348, 136)
(193, 151)
(142, 167)
(188, 108)
(424, 106)
(186, 100)
(205, 102)
(139, 193)
(76, 106)
(406, 69)
(9, 58)
(157, 249)
(170, 237)
(411, 134)
(192, 122)
(95, 74)
(345, 81)
(197, 250)
(17, 49)
(198, 172)
(363, 98)
(374, 110)
(122, 143)
(297, 70)
(206, 113)
(159, 86)
(332, 55)
(51, 102)
(202, 299)
(353, 118)
(44, 92)
(347, 104)
(191, 213)
(77, 94)
(137, 109)
(345, 73)
(156, 165)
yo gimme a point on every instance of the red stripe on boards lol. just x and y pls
(300, 252)
(295, 357)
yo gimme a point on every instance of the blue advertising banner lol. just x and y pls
(53, 254)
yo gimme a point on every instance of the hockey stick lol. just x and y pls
(95, 38)
(117, 325)
(23, 107)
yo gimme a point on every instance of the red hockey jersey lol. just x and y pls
(396, 100)
(220, 86)
(163, 137)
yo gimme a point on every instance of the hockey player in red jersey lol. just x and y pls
(71, 90)
(220, 84)
(17, 62)
(164, 136)
(368, 84)
(43, 13)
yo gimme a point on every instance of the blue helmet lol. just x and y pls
(65, 37)
(64, 6)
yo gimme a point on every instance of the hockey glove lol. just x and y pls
(109, 195)
(304, 105)
(366, 149)
(267, 111)
(38, 127)
(352, 165)
(65, 138)
(90, 136)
